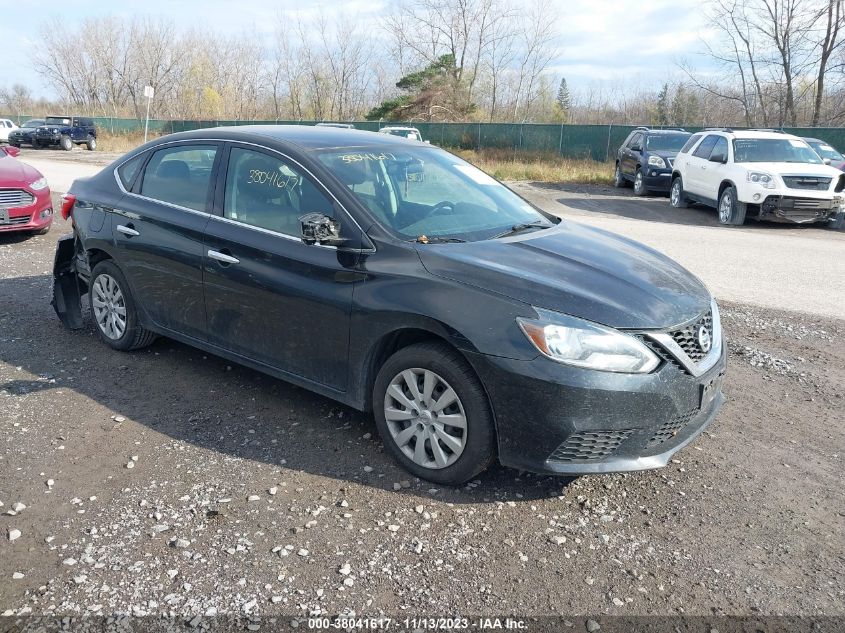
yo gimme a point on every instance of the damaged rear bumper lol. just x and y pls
(67, 294)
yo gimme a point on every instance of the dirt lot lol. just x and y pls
(170, 482)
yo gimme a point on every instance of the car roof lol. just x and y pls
(666, 132)
(761, 134)
(308, 137)
(810, 139)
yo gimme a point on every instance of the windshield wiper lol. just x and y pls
(516, 228)
(424, 239)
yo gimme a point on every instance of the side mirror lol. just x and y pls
(320, 228)
(826, 161)
(636, 148)
(14, 152)
(718, 158)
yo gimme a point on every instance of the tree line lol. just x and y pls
(764, 63)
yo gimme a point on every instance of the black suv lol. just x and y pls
(25, 134)
(65, 131)
(646, 159)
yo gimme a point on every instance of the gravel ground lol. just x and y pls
(170, 482)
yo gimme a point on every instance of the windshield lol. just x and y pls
(33, 123)
(420, 191)
(827, 151)
(57, 120)
(774, 150)
(666, 142)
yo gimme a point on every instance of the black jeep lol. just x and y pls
(65, 131)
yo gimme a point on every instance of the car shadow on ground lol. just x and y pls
(621, 203)
(198, 398)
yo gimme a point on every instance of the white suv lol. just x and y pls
(761, 174)
(6, 126)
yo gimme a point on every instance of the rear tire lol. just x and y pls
(731, 211)
(91, 143)
(677, 197)
(618, 179)
(639, 183)
(452, 452)
(65, 143)
(114, 311)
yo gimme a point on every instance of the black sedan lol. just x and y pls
(396, 278)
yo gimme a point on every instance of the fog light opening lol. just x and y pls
(46, 213)
(756, 196)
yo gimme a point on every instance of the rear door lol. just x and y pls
(158, 233)
(268, 296)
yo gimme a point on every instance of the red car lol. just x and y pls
(25, 203)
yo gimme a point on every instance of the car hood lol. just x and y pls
(797, 169)
(580, 271)
(14, 173)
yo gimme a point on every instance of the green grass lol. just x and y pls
(510, 165)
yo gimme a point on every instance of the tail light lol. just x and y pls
(68, 200)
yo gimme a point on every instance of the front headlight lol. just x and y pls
(39, 184)
(656, 161)
(585, 344)
(767, 181)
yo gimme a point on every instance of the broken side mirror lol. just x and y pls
(318, 228)
(826, 161)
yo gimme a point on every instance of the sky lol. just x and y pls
(609, 41)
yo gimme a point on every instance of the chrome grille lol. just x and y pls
(810, 203)
(589, 445)
(817, 183)
(672, 427)
(12, 198)
(688, 337)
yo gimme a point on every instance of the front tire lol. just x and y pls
(113, 309)
(65, 143)
(639, 183)
(731, 211)
(433, 414)
(677, 198)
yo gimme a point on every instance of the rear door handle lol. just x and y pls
(126, 230)
(223, 257)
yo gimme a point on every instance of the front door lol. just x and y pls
(270, 297)
(158, 233)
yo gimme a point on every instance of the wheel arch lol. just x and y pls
(390, 342)
(724, 185)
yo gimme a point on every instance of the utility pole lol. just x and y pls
(149, 91)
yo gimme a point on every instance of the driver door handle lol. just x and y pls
(126, 230)
(223, 257)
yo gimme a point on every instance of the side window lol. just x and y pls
(263, 190)
(128, 170)
(721, 147)
(690, 143)
(636, 141)
(180, 175)
(703, 150)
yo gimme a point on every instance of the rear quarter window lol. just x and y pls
(128, 171)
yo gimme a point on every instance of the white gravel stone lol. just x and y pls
(70, 562)
(14, 534)
(17, 575)
(368, 469)
(345, 570)
(273, 490)
(130, 464)
(393, 528)
(18, 507)
(180, 543)
(303, 552)
(253, 498)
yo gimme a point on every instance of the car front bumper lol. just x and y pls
(657, 179)
(554, 418)
(800, 209)
(32, 217)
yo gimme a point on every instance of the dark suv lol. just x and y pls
(646, 158)
(25, 134)
(65, 131)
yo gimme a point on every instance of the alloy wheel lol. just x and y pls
(638, 182)
(675, 194)
(109, 306)
(425, 418)
(725, 205)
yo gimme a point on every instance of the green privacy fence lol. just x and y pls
(598, 142)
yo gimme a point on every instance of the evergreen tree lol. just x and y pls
(663, 106)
